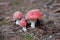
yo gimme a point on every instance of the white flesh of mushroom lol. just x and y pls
(17, 22)
(33, 24)
(24, 29)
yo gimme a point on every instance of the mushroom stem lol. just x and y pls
(33, 24)
(24, 29)
(17, 22)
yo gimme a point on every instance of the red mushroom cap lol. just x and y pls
(33, 15)
(17, 15)
(22, 22)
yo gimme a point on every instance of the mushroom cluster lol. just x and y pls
(32, 16)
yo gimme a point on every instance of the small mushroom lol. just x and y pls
(33, 15)
(23, 24)
(16, 16)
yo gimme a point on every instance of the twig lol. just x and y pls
(57, 10)
(4, 3)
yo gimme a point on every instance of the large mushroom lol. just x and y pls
(23, 24)
(16, 16)
(33, 15)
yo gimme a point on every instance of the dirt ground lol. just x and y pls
(49, 28)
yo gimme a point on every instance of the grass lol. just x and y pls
(28, 37)
(15, 3)
(44, 0)
(4, 22)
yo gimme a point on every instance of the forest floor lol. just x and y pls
(49, 29)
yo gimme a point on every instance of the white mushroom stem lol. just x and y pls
(17, 22)
(24, 29)
(33, 24)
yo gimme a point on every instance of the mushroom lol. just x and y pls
(23, 24)
(33, 15)
(16, 16)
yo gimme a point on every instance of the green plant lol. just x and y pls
(15, 3)
(28, 37)
(4, 22)
(44, 0)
